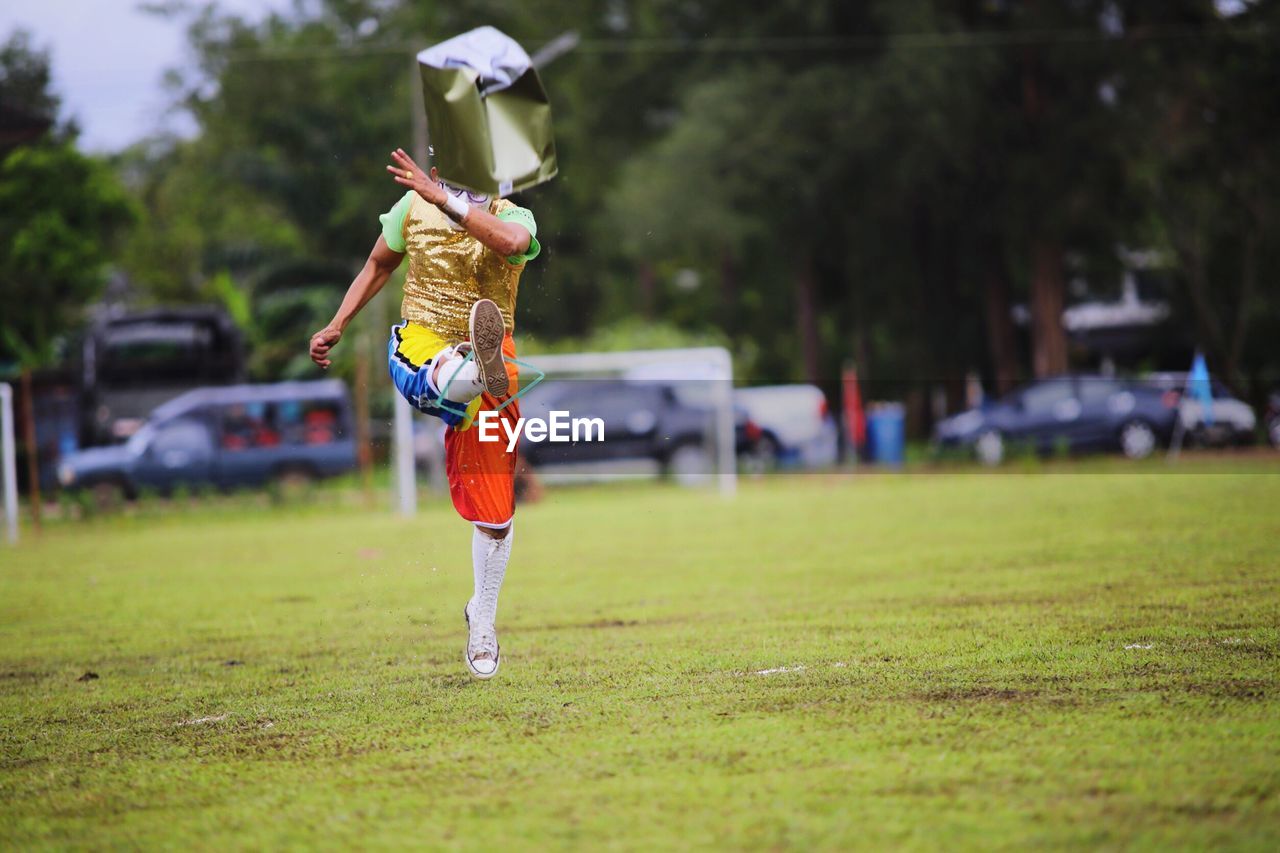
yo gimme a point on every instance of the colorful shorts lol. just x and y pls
(481, 473)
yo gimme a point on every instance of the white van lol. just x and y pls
(796, 421)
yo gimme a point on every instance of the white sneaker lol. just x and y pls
(487, 333)
(483, 654)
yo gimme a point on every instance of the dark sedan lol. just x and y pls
(1076, 413)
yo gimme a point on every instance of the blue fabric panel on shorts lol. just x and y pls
(411, 381)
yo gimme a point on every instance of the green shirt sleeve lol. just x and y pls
(393, 222)
(523, 216)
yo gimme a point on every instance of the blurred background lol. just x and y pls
(921, 230)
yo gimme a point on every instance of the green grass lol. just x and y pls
(975, 660)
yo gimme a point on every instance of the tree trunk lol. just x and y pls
(648, 287)
(1048, 289)
(33, 450)
(1190, 249)
(949, 359)
(364, 445)
(1240, 330)
(1000, 339)
(807, 316)
(728, 289)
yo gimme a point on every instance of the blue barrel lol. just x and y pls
(886, 433)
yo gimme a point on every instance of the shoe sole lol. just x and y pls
(466, 656)
(487, 333)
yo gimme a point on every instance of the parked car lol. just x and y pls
(797, 429)
(225, 437)
(1233, 419)
(649, 427)
(137, 361)
(1272, 419)
(1076, 412)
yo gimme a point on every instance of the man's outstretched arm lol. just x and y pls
(508, 239)
(382, 262)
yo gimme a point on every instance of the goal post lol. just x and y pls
(9, 462)
(713, 365)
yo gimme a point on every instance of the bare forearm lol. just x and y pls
(382, 262)
(505, 238)
(363, 288)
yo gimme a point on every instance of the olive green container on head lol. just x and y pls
(488, 116)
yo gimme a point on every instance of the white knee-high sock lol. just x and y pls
(489, 563)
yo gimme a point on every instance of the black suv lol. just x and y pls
(648, 427)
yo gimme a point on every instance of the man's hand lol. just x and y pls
(506, 238)
(323, 341)
(408, 174)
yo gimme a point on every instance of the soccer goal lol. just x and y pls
(705, 373)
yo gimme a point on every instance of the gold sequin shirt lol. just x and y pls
(449, 269)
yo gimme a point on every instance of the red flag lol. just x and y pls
(855, 420)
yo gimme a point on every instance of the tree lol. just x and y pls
(883, 180)
(59, 213)
(28, 104)
(1201, 121)
(195, 225)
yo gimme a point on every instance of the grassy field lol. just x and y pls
(976, 660)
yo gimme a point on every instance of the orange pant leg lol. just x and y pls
(482, 473)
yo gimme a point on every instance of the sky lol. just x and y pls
(109, 59)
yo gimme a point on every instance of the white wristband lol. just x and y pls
(455, 208)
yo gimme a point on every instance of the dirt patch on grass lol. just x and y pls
(1206, 810)
(1259, 651)
(982, 694)
(19, 763)
(1235, 688)
(1003, 600)
(230, 735)
(598, 625)
(19, 680)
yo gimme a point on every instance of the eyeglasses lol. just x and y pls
(474, 198)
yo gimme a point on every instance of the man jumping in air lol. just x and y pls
(466, 252)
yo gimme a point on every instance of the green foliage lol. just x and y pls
(60, 213)
(900, 175)
(25, 89)
(197, 225)
(284, 321)
(631, 334)
(233, 300)
(271, 209)
(1208, 180)
(851, 176)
